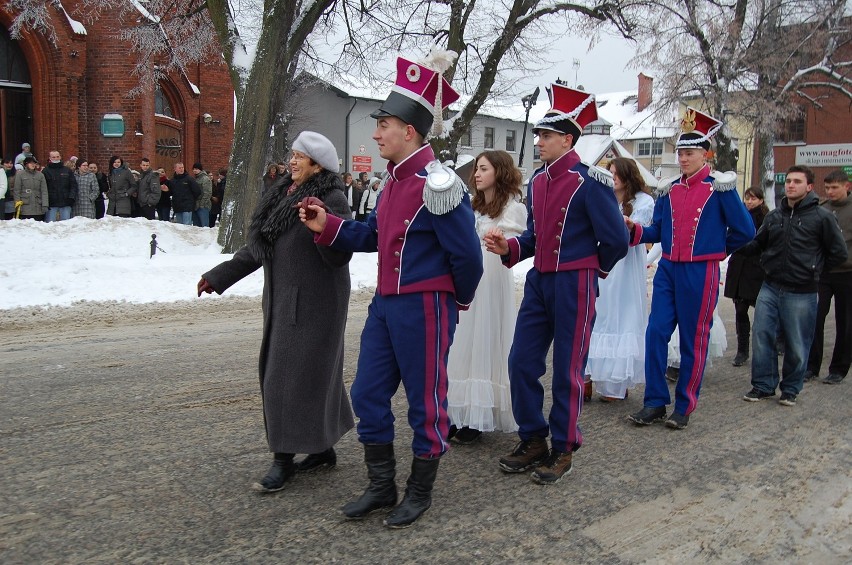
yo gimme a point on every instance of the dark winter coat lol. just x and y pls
(745, 275)
(305, 303)
(31, 189)
(795, 244)
(148, 193)
(184, 191)
(61, 185)
(121, 187)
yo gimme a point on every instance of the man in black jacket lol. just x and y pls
(148, 194)
(796, 242)
(184, 192)
(61, 188)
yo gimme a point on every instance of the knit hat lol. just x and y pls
(697, 128)
(318, 148)
(571, 110)
(198, 166)
(24, 145)
(421, 93)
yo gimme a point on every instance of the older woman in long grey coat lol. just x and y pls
(305, 303)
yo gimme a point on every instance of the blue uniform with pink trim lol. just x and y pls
(574, 231)
(699, 220)
(429, 267)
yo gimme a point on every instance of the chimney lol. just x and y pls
(645, 94)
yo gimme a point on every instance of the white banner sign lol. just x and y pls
(834, 155)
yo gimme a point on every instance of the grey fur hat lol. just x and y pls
(318, 148)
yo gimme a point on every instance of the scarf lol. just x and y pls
(275, 213)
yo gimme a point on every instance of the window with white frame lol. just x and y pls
(464, 140)
(489, 138)
(648, 147)
(511, 136)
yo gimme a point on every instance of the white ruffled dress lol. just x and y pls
(617, 347)
(478, 367)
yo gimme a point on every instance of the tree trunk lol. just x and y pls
(726, 158)
(766, 158)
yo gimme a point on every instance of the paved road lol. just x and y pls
(132, 434)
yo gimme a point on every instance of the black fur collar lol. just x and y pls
(275, 213)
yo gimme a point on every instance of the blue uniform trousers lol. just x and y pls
(685, 294)
(557, 308)
(406, 339)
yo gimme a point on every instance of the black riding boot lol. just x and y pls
(282, 470)
(418, 494)
(381, 492)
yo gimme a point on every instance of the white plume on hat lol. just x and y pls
(439, 60)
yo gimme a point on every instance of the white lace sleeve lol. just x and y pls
(643, 209)
(513, 220)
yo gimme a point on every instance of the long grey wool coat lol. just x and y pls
(305, 302)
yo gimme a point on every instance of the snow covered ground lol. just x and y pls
(82, 260)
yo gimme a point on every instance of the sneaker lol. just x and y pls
(466, 436)
(526, 455)
(557, 464)
(672, 374)
(755, 395)
(677, 421)
(787, 399)
(810, 376)
(833, 379)
(740, 359)
(648, 416)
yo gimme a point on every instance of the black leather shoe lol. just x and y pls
(466, 436)
(282, 470)
(648, 416)
(381, 492)
(672, 374)
(327, 458)
(418, 494)
(834, 379)
(810, 376)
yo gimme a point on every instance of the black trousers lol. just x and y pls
(839, 286)
(743, 324)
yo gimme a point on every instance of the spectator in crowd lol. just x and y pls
(26, 151)
(121, 187)
(574, 231)
(71, 163)
(745, 277)
(218, 197)
(61, 187)
(836, 283)
(282, 168)
(7, 212)
(185, 191)
(87, 191)
(353, 193)
(270, 178)
(4, 185)
(305, 303)
(201, 216)
(164, 204)
(796, 243)
(148, 192)
(364, 180)
(31, 191)
(369, 199)
(103, 188)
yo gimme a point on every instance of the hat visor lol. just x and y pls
(538, 129)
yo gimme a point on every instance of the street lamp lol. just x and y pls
(528, 101)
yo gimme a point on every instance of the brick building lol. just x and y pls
(72, 95)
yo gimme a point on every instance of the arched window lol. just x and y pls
(13, 65)
(162, 105)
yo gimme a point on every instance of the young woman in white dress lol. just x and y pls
(617, 347)
(478, 373)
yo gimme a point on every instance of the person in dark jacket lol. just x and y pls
(745, 276)
(148, 192)
(185, 191)
(796, 242)
(103, 187)
(164, 205)
(121, 188)
(218, 197)
(61, 188)
(305, 303)
(7, 212)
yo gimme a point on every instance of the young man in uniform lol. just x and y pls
(430, 263)
(575, 231)
(699, 219)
